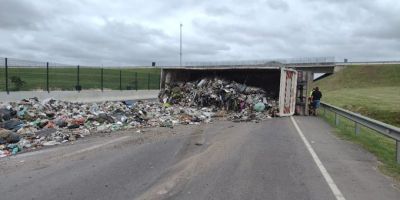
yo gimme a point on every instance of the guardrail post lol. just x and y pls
(398, 151)
(47, 77)
(324, 112)
(357, 128)
(336, 119)
(6, 73)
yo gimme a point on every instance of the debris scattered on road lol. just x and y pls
(30, 124)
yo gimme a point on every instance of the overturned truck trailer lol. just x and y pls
(280, 83)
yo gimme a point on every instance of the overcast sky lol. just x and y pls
(137, 32)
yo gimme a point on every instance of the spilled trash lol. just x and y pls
(31, 124)
(238, 102)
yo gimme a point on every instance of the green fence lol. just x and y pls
(27, 75)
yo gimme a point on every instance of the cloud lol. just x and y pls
(19, 15)
(218, 11)
(137, 32)
(278, 5)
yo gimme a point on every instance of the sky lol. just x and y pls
(138, 32)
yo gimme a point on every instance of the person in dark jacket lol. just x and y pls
(316, 98)
(310, 103)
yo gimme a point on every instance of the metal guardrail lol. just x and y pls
(380, 127)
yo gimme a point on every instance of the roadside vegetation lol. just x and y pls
(373, 91)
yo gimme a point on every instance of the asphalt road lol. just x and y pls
(223, 160)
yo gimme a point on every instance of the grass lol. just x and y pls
(362, 77)
(381, 103)
(381, 146)
(89, 78)
(373, 91)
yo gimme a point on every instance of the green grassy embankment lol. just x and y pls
(89, 78)
(373, 91)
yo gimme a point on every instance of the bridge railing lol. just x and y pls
(359, 120)
(389, 62)
(306, 60)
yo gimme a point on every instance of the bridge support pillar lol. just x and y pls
(304, 87)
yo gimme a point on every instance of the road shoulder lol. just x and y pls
(352, 168)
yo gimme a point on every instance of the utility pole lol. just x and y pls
(180, 49)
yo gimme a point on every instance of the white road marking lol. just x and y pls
(321, 167)
(96, 146)
(46, 151)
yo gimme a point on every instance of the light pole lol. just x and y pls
(180, 46)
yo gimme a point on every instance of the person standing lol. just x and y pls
(310, 103)
(316, 98)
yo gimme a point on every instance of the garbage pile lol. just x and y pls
(241, 102)
(30, 124)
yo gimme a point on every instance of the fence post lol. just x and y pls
(120, 79)
(148, 81)
(398, 151)
(336, 119)
(47, 77)
(159, 84)
(136, 82)
(357, 128)
(101, 80)
(77, 79)
(6, 73)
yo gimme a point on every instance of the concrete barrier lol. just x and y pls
(82, 96)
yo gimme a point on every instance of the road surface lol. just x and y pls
(223, 160)
(82, 96)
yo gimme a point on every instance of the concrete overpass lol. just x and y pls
(262, 71)
(311, 67)
(315, 65)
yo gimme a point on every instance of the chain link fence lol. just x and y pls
(25, 75)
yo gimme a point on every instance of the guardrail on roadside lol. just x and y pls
(380, 127)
